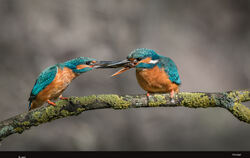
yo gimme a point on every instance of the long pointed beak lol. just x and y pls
(126, 64)
(111, 64)
(121, 63)
(102, 64)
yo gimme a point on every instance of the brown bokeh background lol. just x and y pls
(209, 41)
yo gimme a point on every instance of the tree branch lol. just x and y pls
(76, 105)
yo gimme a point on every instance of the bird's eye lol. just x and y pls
(88, 62)
(139, 59)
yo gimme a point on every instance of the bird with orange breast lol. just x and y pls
(155, 73)
(51, 83)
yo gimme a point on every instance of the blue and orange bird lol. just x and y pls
(155, 73)
(51, 83)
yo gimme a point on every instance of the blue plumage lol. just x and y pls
(170, 68)
(142, 53)
(43, 80)
(72, 64)
(165, 62)
(48, 75)
(154, 73)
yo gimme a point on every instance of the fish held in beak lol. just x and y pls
(126, 64)
(121, 71)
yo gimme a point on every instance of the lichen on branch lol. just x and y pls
(231, 101)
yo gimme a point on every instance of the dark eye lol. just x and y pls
(139, 59)
(88, 62)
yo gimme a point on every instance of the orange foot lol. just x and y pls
(172, 96)
(63, 98)
(148, 94)
(51, 103)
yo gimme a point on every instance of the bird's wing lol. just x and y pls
(170, 68)
(43, 80)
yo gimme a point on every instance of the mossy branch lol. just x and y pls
(76, 105)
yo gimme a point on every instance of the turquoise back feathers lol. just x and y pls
(170, 68)
(44, 79)
(48, 75)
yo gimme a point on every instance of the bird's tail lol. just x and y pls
(30, 105)
(31, 98)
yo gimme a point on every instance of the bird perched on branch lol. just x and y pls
(51, 83)
(155, 73)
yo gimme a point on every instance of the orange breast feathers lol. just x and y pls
(155, 80)
(55, 88)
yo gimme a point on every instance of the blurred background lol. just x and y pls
(209, 41)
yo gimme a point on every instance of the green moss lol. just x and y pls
(224, 100)
(196, 100)
(26, 123)
(79, 110)
(41, 116)
(84, 100)
(36, 115)
(239, 95)
(65, 113)
(51, 110)
(60, 103)
(159, 100)
(241, 112)
(114, 100)
(232, 95)
(5, 130)
(19, 130)
(212, 100)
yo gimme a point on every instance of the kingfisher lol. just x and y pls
(155, 73)
(52, 81)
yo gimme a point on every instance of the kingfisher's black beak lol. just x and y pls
(126, 64)
(121, 63)
(111, 64)
(101, 64)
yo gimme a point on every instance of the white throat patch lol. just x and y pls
(153, 61)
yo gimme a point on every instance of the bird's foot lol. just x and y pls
(148, 94)
(63, 98)
(172, 97)
(51, 103)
